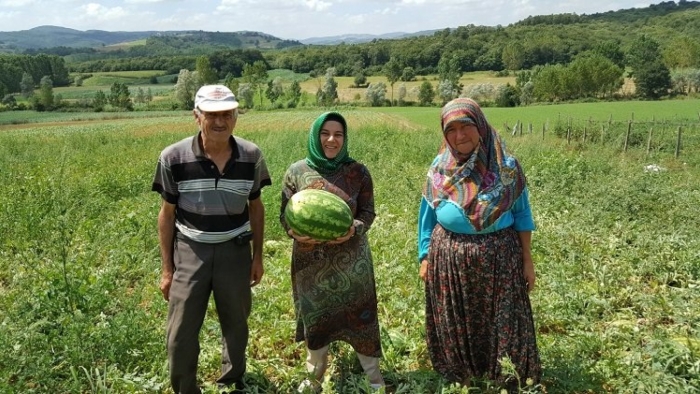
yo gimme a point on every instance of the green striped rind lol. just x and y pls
(318, 214)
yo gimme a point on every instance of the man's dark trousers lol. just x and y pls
(201, 269)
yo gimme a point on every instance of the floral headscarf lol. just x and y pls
(485, 183)
(315, 157)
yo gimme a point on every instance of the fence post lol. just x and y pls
(568, 131)
(585, 130)
(544, 127)
(627, 136)
(678, 143)
(649, 140)
(521, 127)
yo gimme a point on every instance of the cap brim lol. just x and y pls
(218, 106)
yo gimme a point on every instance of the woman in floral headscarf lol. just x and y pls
(474, 233)
(333, 283)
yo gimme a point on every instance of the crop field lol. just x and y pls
(348, 93)
(616, 250)
(106, 79)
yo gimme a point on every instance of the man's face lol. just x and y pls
(216, 126)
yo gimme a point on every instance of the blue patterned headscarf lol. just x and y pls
(485, 183)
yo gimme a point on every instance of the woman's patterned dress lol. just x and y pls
(333, 285)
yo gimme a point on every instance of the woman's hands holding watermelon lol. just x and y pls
(303, 238)
(347, 236)
(308, 240)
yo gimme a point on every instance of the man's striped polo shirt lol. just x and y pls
(212, 207)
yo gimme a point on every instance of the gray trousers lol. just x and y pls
(201, 269)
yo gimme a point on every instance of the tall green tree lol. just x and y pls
(375, 94)
(185, 88)
(652, 79)
(328, 93)
(256, 75)
(426, 93)
(611, 50)
(26, 85)
(392, 70)
(99, 101)
(682, 52)
(246, 94)
(513, 55)
(207, 74)
(46, 98)
(120, 97)
(449, 69)
(274, 90)
(293, 94)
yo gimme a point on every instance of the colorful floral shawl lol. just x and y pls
(487, 183)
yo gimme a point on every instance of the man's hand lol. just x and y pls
(166, 279)
(256, 271)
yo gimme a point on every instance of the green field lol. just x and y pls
(616, 252)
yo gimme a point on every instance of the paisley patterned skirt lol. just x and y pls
(477, 307)
(335, 296)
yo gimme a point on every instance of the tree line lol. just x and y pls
(554, 58)
(21, 72)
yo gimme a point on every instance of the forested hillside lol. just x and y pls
(555, 57)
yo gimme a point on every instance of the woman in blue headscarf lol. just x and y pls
(333, 283)
(474, 234)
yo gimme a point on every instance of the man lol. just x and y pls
(210, 186)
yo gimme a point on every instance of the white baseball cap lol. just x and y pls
(215, 98)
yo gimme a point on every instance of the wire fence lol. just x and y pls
(655, 136)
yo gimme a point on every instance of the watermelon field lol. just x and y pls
(616, 250)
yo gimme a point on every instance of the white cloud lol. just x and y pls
(99, 12)
(16, 3)
(317, 5)
(387, 11)
(439, 2)
(228, 5)
(357, 19)
(144, 1)
(8, 15)
(291, 19)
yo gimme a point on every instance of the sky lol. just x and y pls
(289, 19)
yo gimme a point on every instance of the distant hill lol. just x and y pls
(360, 38)
(43, 37)
(54, 36)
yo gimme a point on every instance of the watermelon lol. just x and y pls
(318, 214)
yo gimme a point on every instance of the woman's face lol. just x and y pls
(463, 137)
(332, 138)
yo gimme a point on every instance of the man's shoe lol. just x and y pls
(237, 387)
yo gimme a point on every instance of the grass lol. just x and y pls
(616, 253)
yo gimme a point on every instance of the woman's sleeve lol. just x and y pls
(364, 217)
(426, 223)
(522, 214)
(288, 190)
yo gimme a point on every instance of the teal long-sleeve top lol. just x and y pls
(451, 217)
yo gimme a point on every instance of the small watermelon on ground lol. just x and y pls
(318, 214)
